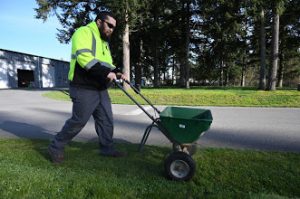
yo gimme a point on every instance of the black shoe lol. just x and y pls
(114, 154)
(56, 158)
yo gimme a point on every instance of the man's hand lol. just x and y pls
(111, 76)
(122, 76)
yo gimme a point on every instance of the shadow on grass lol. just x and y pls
(85, 155)
(31, 133)
(82, 160)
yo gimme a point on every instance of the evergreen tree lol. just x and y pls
(223, 28)
(73, 14)
(289, 65)
(277, 9)
(209, 42)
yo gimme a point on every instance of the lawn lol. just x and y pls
(26, 172)
(204, 97)
(220, 173)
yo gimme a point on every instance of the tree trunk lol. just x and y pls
(156, 66)
(156, 61)
(187, 44)
(138, 68)
(173, 72)
(243, 78)
(185, 39)
(298, 88)
(182, 60)
(126, 51)
(226, 82)
(262, 71)
(182, 71)
(221, 80)
(280, 73)
(274, 50)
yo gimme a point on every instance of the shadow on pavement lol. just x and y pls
(225, 138)
(24, 130)
(29, 132)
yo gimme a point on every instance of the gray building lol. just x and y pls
(20, 70)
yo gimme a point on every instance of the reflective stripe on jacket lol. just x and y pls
(91, 59)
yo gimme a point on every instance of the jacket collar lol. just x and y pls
(93, 26)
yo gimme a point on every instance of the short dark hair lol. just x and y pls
(103, 15)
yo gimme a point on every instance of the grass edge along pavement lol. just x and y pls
(221, 173)
(203, 97)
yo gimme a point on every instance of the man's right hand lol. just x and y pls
(111, 76)
(121, 76)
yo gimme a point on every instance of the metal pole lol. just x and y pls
(139, 93)
(150, 116)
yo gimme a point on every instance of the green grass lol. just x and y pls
(25, 172)
(204, 97)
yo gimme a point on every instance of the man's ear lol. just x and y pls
(98, 22)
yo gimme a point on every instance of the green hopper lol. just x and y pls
(185, 125)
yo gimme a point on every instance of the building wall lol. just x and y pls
(48, 73)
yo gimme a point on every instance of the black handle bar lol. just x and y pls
(139, 93)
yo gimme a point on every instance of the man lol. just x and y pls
(91, 72)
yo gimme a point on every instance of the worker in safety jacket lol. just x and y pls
(91, 71)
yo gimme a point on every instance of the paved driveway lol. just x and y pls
(27, 114)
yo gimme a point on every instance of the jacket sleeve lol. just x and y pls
(117, 70)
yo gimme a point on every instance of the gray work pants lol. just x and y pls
(86, 103)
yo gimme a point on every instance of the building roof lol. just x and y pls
(33, 55)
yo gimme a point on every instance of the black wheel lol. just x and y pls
(180, 166)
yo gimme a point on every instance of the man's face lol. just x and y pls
(106, 27)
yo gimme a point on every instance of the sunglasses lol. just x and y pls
(109, 24)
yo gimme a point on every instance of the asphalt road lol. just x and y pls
(26, 114)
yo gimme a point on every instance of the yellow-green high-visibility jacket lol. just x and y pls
(91, 59)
